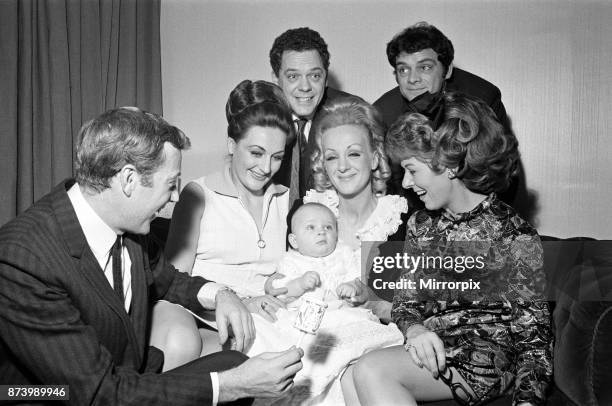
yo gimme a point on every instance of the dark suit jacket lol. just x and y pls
(61, 323)
(283, 176)
(392, 104)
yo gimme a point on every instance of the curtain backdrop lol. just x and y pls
(64, 62)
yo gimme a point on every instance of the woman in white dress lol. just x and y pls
(230, 226)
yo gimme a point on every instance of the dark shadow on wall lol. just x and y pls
(332, 81)
(523, 200)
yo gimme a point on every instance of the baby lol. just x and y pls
(317, 266)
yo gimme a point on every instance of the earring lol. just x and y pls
(451, 173)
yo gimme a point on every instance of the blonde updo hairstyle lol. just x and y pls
(350, 110)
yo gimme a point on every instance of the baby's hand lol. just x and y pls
(310, 280)
(346, 291)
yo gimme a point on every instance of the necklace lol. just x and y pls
(261, 243)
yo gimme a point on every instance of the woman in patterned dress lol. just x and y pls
(462, 345)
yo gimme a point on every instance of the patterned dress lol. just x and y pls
(501, 342)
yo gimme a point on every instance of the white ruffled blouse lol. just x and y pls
(383, 222)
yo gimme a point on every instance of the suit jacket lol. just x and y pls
(61, 322)
(392, 104)
(283, 176)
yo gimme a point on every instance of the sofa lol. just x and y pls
(580, 281)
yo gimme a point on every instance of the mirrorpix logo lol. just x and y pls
(409, 264)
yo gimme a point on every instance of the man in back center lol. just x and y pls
(300, 61)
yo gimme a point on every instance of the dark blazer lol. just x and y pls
(61, 323)
(392, 104)
(283, 176)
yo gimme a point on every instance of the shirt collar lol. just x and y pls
(98, 234)
(296, 118)
(475, 212)
(222, 183)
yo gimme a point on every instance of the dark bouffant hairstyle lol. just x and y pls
(418, 37)
(258, 103)
(122, 136)
(470, 141)
(298, 39)
(351, 110)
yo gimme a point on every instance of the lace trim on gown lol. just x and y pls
(383, 222)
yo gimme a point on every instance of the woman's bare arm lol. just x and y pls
(184, 230)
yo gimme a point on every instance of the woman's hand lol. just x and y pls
(426, 349)
(269, 287)
(266, 306)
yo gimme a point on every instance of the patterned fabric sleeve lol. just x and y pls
(531, 326)
(406, 311)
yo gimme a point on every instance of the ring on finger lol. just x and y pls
(407, 347)
(264, 305)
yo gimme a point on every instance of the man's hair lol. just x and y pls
(258, 103)
(350, 110)
(122, 136)
(299, 40)
(418, 37)
(470, 140)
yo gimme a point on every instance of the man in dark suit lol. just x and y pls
(300, 61)
(422, 60)
(77, 283)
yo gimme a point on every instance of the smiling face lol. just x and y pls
(147, 201)
(302, 77)
(435, 190)
(420, 72)
(314, 232)
(348, 159)
(256, 157)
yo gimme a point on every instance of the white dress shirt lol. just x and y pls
(100, 238)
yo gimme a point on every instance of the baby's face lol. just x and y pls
(314, 230)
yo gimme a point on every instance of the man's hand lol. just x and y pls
(266, 306)
(310, 280)
(269, 287)
(426, 349)
(233, 317)
(267, 375)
